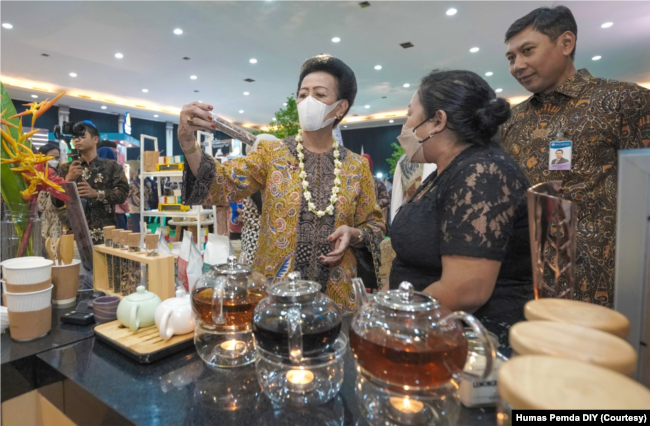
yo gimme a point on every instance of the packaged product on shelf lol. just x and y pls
(190, 263)
(217, 250)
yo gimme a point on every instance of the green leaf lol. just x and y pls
(286, 121)
(12, 183)
(394, 158)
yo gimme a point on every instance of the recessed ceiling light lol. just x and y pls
(155, 116)
(474, 49)
(607, 25)
(119, 55)
(377, 67)
(407, 85)
(178, 31)
(253, 61)
(241, 111)
(451, 12)
(596, 58)
(367, 106)
(246, 93)
(499, 90)
(34, 96)
(104, 107)
(7, 25)
(489, 74)
(391, 121)
(336, 40)
(72, 74)
(345, 127)
(145, 90)
(193, 77)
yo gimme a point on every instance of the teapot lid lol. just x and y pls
(140, 295)
(295, 290)
(232, 268)
(405, 298)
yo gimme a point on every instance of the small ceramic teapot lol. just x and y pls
(175, 316)
(138, 309)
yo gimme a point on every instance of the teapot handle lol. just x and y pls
(134, 322)
(165, 331)
(360, 294)
(484, 337)
(295, 335)
(217, 301)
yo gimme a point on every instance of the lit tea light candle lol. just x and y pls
(233, 345)
(407, 411)
(300, 380)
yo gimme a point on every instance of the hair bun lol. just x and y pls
(492, 115)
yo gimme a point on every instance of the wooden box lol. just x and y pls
(160, 270)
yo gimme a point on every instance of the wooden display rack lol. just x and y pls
(160, 270)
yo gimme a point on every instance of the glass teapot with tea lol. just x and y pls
(223, 301)
(406, 339)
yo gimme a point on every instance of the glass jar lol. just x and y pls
(21, 231)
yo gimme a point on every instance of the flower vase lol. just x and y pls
(20, 231)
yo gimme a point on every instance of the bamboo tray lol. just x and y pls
(145, 346)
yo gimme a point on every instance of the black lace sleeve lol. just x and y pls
(195, 189)
(479, 209)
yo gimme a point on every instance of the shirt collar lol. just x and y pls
(572, 86)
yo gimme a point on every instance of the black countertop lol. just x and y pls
(182, 390)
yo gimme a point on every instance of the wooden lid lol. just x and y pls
(574, 342)
(151, 241)
(124, 237)
(108, 230)
(578, 313)
(537, 382)
(134, 239)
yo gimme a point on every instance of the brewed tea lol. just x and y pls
(237, 313)
(275, 338)
(428, 364)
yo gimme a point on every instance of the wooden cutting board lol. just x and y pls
(144, 346)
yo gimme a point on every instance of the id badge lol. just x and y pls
(559, 157)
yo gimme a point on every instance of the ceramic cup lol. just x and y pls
(105, 308)
(27, 274)
(30, 314)
(175, 316)
(65, 279)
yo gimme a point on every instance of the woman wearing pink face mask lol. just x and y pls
(463, 237)
(318, 199)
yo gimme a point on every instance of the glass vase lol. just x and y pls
(20, 231)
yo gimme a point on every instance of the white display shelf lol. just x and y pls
(156, 213)
(163, 174)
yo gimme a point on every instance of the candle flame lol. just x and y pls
(300, 377)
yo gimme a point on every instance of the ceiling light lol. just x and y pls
(451, 12)
(474, 49)
(605, 25)
(246, 93)
(155, 116)
(253, 61)
(104, 107)
(380, 175)
(407, 85)
(336, 40)
(499, 90)
(377, 67)
(345, 127)
(7, 25)
(34, 96)
(178, 31)
(119, 55)
(241, 111)
(193, 77)
(72, 74)
(489, 74)
(391, 121)
(367, 106)
(596, 58)
(145, 90)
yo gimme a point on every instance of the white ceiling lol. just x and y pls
(221, 37)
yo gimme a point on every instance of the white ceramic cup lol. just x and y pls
(27, 270)
(174, 316)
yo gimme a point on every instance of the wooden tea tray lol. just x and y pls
(145, 346)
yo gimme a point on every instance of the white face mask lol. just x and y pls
(312, 112)
(53, 163)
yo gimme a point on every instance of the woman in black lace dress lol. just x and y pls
(463, 237)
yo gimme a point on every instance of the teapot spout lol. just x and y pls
(360, 294)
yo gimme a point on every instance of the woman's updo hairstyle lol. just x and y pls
(345, 78)
(473, 111)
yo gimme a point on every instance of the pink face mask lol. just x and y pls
(413, 147)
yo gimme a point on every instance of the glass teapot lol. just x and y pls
(225, 297)
(296, 320)
(406, 340)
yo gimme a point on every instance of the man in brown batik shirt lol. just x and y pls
(597, 116)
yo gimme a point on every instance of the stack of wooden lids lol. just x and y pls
(537, 382)
(578, 313)
(573, 342)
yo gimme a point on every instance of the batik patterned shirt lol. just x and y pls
(600, 117)
(292, 238)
